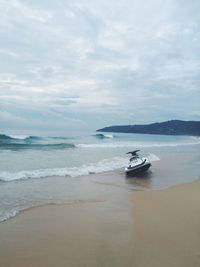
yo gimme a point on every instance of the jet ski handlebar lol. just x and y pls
(133, 152)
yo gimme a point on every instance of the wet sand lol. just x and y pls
(81, 232)
(63, 236)
(118, 228)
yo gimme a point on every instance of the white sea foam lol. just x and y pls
(4, 216)
(101, 166)
(100, 135)
(135, 144)
(98, 167)
(153, 157)
(21, 137)
(109, 135)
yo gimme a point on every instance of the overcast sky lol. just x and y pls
(86, 64)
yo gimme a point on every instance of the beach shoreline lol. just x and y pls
(92, 231)
(146, 228)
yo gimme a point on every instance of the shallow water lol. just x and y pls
(43, 170)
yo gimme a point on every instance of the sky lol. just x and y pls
(85, 64)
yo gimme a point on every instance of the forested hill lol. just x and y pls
(172, 127)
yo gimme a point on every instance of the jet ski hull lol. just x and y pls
(132, 171)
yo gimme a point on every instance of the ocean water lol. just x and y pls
(35, 170)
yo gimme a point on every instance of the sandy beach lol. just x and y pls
(92, 231)
(167, 227)
(148, 228)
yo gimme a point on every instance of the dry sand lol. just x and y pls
(158, 229)
(167, 224)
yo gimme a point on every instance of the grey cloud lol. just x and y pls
(100, 58)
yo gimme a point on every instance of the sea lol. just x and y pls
(38, 170)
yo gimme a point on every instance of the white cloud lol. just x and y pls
(101, 58)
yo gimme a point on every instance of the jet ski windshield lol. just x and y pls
(134, 158)
(133, 153)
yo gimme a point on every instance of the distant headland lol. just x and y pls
(172, 127)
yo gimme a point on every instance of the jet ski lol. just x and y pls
(137, 164)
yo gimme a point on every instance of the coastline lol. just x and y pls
(118, 228)
(92, 231)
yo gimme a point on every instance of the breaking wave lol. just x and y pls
(98, 167)
(136, 144)
(16, 142)
(101, 166)
(18, 137)
(85, 169)
(4, 216)
(4, 137)
(22, 146)
(102, 136)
